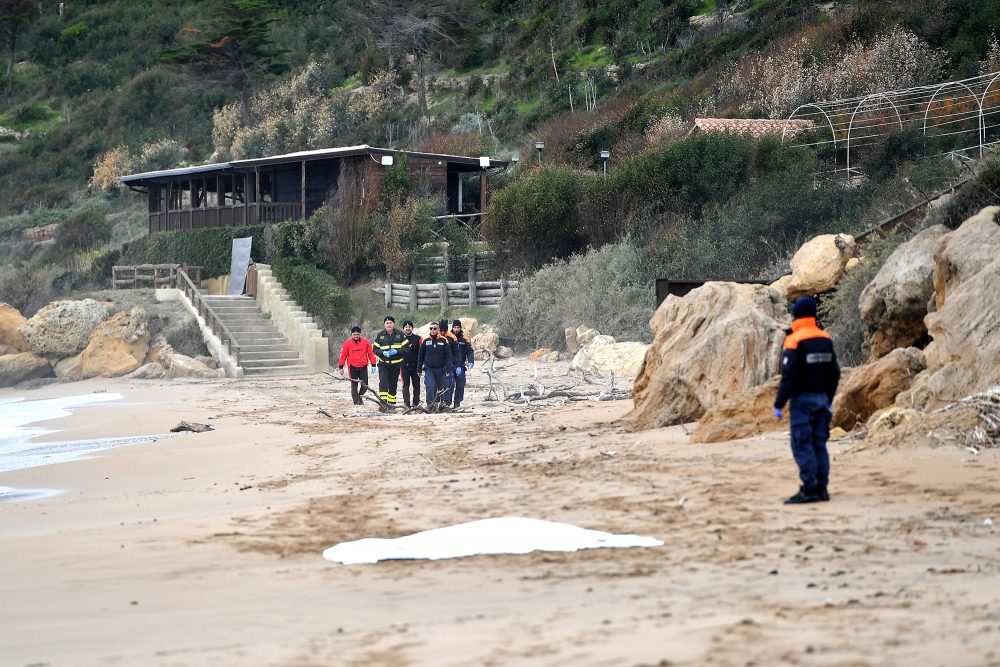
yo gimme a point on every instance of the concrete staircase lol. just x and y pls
(263, 349)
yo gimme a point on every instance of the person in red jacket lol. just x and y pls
(357, 352)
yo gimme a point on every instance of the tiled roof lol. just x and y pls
(755, 127)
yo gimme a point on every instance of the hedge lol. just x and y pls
(316, 290)
(211, 248)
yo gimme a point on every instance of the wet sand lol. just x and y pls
(206, 549)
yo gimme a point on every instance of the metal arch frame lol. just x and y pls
(958, 84)
(982, 117)
(858, 108)
(833, 133)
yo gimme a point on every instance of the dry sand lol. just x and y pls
(206, 549)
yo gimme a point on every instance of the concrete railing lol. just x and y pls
(291, 320)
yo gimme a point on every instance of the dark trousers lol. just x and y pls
(358, 388)
(411, 377)
(810, 426)
(435, 381)
(388, 380)
(459, 389)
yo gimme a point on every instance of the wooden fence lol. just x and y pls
(151, 275)
(429, 296)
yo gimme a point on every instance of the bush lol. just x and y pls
(609, 289)
(984, 190)
(27, 289)
(316, 290)
(536, 218)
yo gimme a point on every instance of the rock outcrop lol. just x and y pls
(874, 386)
(11, 320)
(963, 356)
(485, 341)
(714, 343)
(539, 354)
(117, 346)
(819, 264)
(62, 328)
(572, 344)
(740, 416)
(23, 366)
(893, 305)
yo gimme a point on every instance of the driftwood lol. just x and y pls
(194, 427)
(374, 398)
(987, 406)
(499, 390)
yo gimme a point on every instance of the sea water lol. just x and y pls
(19, 426)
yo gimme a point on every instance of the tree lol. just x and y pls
(14, 15)
(237, 49)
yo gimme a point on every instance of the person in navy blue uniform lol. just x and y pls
(409, 370)
(435, 361)
(809, 377)
(464, 360)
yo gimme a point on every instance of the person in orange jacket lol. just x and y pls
(358, 354)
(809, 377)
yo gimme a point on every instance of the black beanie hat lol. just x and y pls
(355, 329)
(804, 306)
(457, 323)
(389, 318)
(407, 323)
(443, 325)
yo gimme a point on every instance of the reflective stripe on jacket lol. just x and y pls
(385, 341)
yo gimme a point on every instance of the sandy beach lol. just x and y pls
(205, 549)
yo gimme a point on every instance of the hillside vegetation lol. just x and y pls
(111, 87)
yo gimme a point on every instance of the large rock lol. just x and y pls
(116, 347)
(572, 344)
(714, 343)
(963, 356)
(819, 264)
(875, 386)
(16, 368)
(585, 335)
(611, 359)
(747, 414)
(11, 320)
(62, 328)
(470, 326)
(486, 341)
(894, 303)
(177, 365)
(539, 353)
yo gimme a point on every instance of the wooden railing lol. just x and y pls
(270, 212)
(424, 296)
(150, 275)
(212, 319)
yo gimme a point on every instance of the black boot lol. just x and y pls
(824, 494)
(806, 494)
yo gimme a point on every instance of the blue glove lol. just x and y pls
(391, 353)
(472, 364)
(777, 413)
(374, 371)
(829, 406)
(458, 371)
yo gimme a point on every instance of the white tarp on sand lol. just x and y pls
(503, 535)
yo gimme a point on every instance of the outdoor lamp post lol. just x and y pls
(514, 159)
(604, 157)
(539, 145)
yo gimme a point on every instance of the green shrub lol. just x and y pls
(536, 218)
(315, 290)
(984, 190)
(609, 289)
(211, 248)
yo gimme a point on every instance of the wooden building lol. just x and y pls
(291, 187)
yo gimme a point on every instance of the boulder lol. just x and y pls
(177, 365)
(963, 356)
(749, 413)
(23, 366)
(552, 357)
(610, 359)
(539, 353)
(572, 344)
(586, 336)
(7, 349)
(714, 343)
(470, 326)
(819, 264)
(894, 303)
(486, 341)
(874, 386)
(11, 320)
(62, 328)
(503, 352)
(781, 286)
(887, 419)
(151, 371)
(116, 347)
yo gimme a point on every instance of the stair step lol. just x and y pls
(269, 355)
(278, 370)
(268, 363)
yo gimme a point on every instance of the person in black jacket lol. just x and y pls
(390, 348)
(809, 377)
(409, 368)
(436, 362)
(463, 360)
